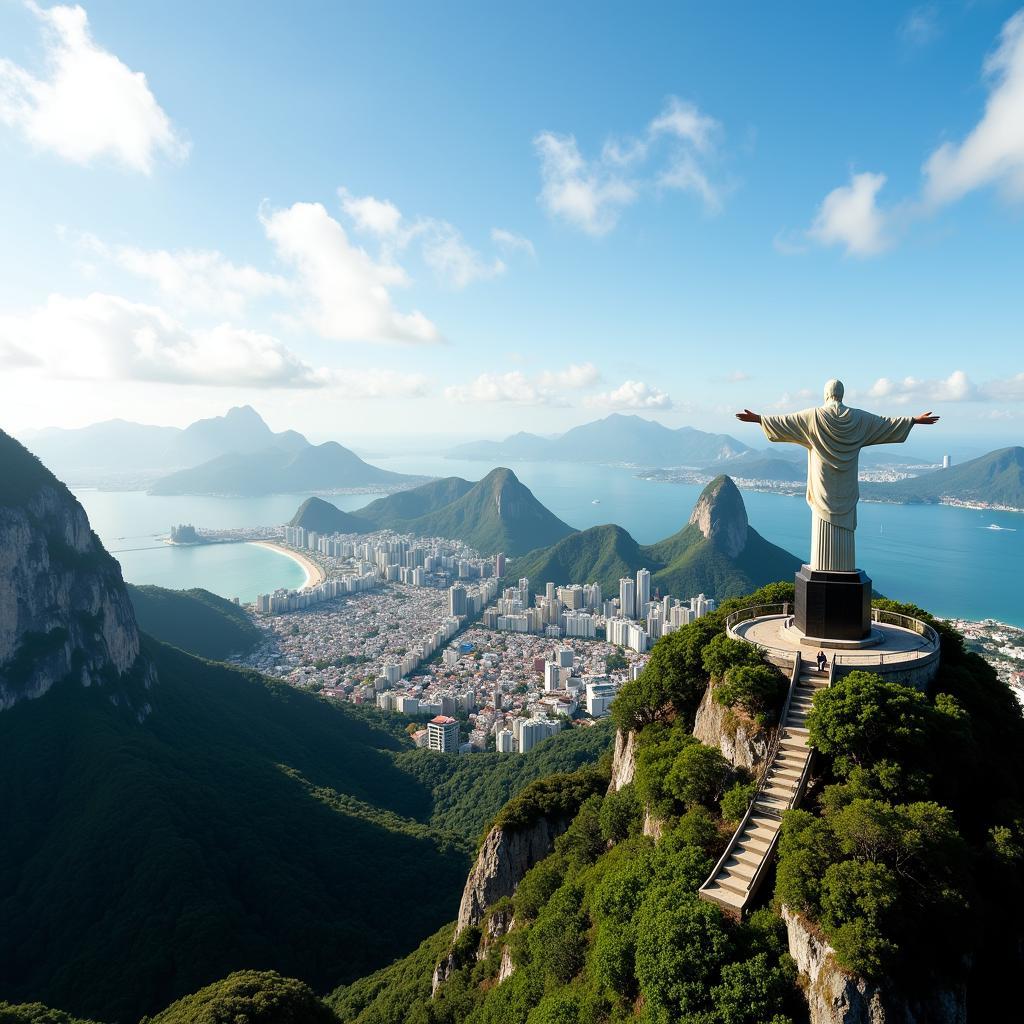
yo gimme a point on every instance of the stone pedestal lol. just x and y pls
(833, 605)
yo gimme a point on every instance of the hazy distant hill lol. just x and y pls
(616, 438)
(716, 553)
(116, 447)
(322, 467)
(996, 478)
(194, 620)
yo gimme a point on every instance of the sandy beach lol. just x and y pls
(314, 574)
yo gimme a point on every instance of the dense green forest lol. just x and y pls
(194, 620)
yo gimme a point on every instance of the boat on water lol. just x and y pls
(596, 501)
(1002, 529)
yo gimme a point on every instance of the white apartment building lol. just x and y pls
(443, 734)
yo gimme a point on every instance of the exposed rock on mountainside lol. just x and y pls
(64, 611)
(742, 742)
(505, 856)
(836, 997)
(623, 760)
(721, 516)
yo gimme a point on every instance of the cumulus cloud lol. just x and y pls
(346, 293)
(88, 103)
(849, 216)
(105, 337)
(673, 153)
(509, 241)
(632, 394)
(196, 279)
(545, 388)
(441, 245)
(957, 387)
(993, 152)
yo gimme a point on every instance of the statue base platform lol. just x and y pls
(833, 608)
(795, 638)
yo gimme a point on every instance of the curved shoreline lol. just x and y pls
(314, 574)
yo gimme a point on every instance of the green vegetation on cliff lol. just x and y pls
(321, 516)
(194, 620)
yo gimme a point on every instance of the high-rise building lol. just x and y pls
(627, 598)
(946, 462)
(504, 742)
(499, 564)
(443, 734)
(457, 600)
(599, 697)
(643, 592)
(496, 698)
(549, 591)
(563, 657)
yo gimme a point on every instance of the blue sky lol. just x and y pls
(371, 219)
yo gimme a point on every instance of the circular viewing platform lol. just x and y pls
(903, 648)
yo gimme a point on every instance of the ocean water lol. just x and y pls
(942, 558)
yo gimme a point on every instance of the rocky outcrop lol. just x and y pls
(721, 516)
(742, 741)
(64, 610)
(623, 760)
(836, 997)
(504, 857)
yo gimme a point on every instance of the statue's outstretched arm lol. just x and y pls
(748, 417)
(926, 419)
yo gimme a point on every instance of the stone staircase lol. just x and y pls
(734, 880)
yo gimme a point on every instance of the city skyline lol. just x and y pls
(369, 213)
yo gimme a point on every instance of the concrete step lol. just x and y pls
(756, 843)
(739, 869)
(783, 772)
(763, 821)
(793, 742)
(731, 882)
(773, 804)
(752, 857)
(726, 896)
(795, 729)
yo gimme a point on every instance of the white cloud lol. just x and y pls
(375, 383)
(509, 242)
(90, 103)
(374, 216)
(105, 337)
(452, 260)
(957, 387)
(441, 245)
(632, 394)
(589, 196)
(673, 153)
(993, 152)
(517, 387)
(849, 216)
(346, 291)
(196, 279)
(684, 121)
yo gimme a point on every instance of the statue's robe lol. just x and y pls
(833, 435)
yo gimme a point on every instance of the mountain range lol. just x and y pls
(717, 553)
(236, 454)
(616, 438)
(498, 513)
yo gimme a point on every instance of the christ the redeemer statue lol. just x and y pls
(833, 435)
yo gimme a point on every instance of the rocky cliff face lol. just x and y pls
(623, 761)
(64, 610)
(721, 516)
(835, 997)
(741, 741)
(506, 855)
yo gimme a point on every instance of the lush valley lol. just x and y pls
(195, 620)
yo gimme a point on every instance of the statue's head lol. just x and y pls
(834, 391)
